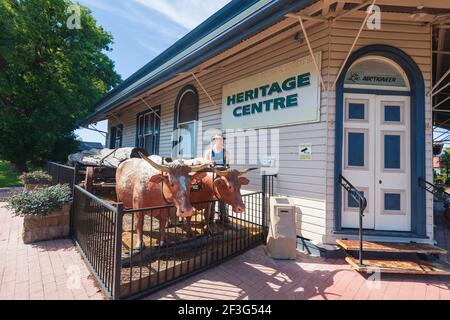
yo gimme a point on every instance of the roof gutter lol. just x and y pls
(267, 15)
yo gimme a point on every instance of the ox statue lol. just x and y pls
(225, 186)
(146, 182)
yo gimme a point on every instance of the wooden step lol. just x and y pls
(403, 267)
(393, 247)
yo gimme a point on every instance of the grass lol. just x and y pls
(8, 178)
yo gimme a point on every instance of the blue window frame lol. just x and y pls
(392, 152)
(392, 113)
(352, 203)
(115, 140)
(356, 111)
(355, 149)
(392, 201)
(148, 130)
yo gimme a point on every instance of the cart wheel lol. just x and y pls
(89, 180)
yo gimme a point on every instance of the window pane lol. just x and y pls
(186, 145)
(352, 203)
(392, 113)
(113, 138)
(356, 149)
(148, 124)
(156, 125)
(156, 144)
(149, 144)
(356, 111)
(392, 201)
(392, 152)
(141, 125)
(188, 107)
(147, 137)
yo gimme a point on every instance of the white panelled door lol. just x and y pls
(376, 160)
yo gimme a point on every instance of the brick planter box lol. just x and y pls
(52, 226)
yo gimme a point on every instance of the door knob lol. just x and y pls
(380, 182)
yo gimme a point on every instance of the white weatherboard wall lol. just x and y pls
(305, 181)
(310, 183)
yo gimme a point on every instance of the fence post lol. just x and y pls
(74, 178)
(72, 212)
(117, 268)
(72, 209)
(264, 207)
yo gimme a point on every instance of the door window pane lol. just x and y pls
(392, 114)
(392, 201)
(392, 152)
(355, 149)
(356, 111)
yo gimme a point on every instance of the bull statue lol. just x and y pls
(143, 183)
(224, 186)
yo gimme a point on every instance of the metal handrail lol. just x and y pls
(362, 201)
(434, 190)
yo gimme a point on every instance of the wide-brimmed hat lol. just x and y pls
(217, 136)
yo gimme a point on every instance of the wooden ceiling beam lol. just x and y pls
(433, 4)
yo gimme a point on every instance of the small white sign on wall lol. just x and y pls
(305, 151)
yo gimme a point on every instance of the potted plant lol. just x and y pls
(46, 212)
(36, 179)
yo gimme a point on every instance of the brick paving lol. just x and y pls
(47, 270)
(254, 275)
(42, 271)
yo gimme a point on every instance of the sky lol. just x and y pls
(142, 29)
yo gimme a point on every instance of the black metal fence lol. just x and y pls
(172, 248)
(62, 174)
(175, 248)
(268, 189)
(95, 231)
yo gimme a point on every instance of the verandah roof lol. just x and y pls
(226, 28)
(240, 20)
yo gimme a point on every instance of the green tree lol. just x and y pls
(51, 75)
(445, 162)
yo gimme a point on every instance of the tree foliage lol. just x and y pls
(50, 77)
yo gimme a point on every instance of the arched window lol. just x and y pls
(186, 116)
(375, 72)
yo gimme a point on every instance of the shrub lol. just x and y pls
(36, 177)
(40, 201)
